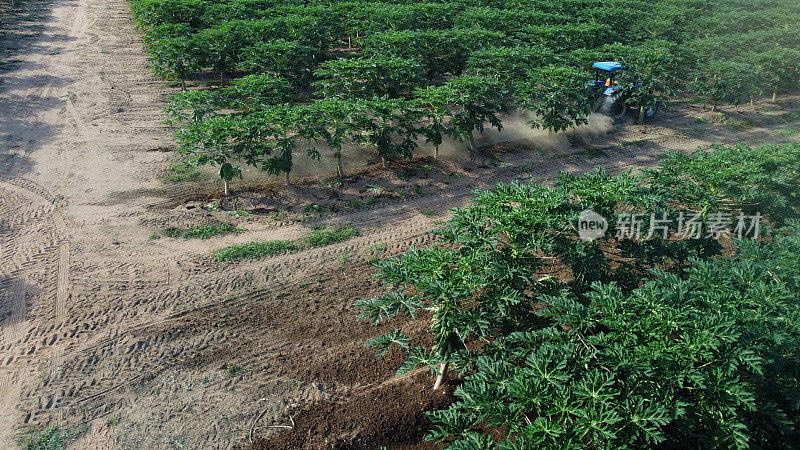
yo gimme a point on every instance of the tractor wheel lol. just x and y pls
(615, 107)
(650, 112)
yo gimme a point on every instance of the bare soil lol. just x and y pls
(152, 343)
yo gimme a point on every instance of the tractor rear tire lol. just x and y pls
(615, 107)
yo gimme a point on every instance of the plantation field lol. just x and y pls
(141, 308)
(265, 82)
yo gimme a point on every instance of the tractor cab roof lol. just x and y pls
(611, 66)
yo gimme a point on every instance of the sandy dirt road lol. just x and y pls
(152, 343)
(67, 135)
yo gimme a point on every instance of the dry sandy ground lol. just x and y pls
(153, 343)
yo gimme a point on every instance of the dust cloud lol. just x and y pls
(516, 131)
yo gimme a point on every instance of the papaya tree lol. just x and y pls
(654, 68)
(498, 19)
(508, 64)
(244, 94)
(558, 95)
(388, 125)
(330, 120)
(480, 279)
(288, 59)
(268, 136)
(434, 107)
(614, 369)
(563, 37)
(440, 52)
(723, 80)
(210, 142)
(153, 13)
(222, 45)
(369, 76)
(205, 134)
(251, 91)
(174, 52)
(193, 106)
(475, 101)
(780, 67)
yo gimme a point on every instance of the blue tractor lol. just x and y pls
(609, 98)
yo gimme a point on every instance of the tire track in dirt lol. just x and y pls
(11, 370)
(32, 244)
(62, 294)
(45, 397)
(28, 242)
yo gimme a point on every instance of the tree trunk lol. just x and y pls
(287, 180)
(440, 377)
(472, 147)
(183, 83)
(641, 113)
(714, 107)
(752, 100)
(339, 169)
(435, 152)
(227, 187)
(385, 162)
(774, 96)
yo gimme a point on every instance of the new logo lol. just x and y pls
(591, 225)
